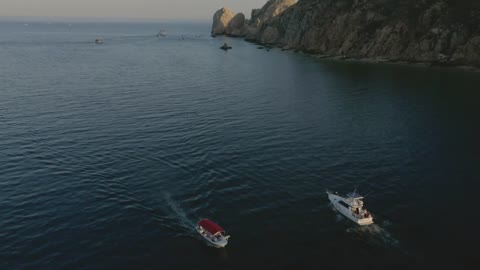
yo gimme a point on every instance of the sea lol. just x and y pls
(111, 153)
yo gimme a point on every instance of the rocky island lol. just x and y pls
(438, 32)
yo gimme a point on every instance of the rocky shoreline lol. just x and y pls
(428, 32)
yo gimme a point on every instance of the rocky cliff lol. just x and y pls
(256, 29)
(221, 19)
(225, 22)
(236, 26)
(435, 31)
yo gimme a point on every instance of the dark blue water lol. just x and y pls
(110, 153)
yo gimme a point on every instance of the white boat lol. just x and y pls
(351, 206)
(162, 33)
(213, 233)
(99, 41)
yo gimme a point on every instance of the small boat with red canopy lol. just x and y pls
(212, 232)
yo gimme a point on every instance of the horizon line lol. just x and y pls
(81, 19)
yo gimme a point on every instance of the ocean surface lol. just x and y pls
(109, 154)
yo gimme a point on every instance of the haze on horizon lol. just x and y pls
(128, 9)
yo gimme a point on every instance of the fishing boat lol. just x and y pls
(225, 47)
(351, 206)
(213, 233)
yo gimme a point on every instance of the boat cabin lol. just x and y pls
(210, 230)
(354, 202)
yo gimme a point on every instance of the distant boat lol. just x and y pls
(99, 41)
(213, 233)
(162, 33)
(225, 47)
(351, 207)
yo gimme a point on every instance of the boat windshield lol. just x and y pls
(357, 202)
(355, 195)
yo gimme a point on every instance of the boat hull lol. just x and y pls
(220, 243)
(335, 200)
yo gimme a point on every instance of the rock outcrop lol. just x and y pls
(444, 32)
(236, 26)
(226, 22)
(221, 19)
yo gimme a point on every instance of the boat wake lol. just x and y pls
(178, 216)
(376, 235)
(339, 217)
(373, 234)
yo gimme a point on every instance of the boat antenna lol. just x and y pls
(367, 194)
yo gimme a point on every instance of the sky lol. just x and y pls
(128, 9)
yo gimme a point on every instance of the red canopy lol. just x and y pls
(210, 226)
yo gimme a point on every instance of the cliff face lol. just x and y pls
(439, 31)
(434, 31)
(221, 19)
(236, 26)
(257, 28)
(225, 22)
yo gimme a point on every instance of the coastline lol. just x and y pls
(398, 62)
(438, 34)
(375, 60)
